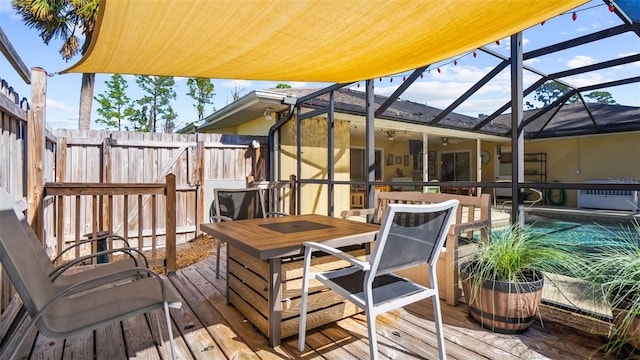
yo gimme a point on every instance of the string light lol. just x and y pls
(574, 17)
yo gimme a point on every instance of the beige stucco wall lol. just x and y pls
(315, 163)
(314, 159)
(598, 157)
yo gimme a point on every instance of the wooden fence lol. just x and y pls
(102, 199)
(117, 158)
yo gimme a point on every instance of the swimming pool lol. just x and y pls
(581, 232)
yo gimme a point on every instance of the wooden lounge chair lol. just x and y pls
(410, 235)
(63, 311)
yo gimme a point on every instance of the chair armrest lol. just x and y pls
(128, 251)
(475, 225)
(127, 245)
(219, 218)
(276, 214)
(345, 214)
(365, 266)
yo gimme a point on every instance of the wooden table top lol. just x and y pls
(283, 236)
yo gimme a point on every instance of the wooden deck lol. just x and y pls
(207, 328)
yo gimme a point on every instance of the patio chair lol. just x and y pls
(409, 235)
(236, 204)
(536, 196)
(86, 305)
(59, 275)
(275, 201)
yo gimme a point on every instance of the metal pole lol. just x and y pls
(517, 141)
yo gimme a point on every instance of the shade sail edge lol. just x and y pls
(231, 41)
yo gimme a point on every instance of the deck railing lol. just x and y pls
(95, 207)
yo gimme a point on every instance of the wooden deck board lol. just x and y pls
(207, 328)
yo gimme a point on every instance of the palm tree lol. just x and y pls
(65, 19)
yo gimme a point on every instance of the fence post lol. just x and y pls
(170, 238)
(35, 149)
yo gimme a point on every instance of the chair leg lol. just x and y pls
(169, 330)
(437, 314)
(219, 245)
(371, 328)
(305, 293)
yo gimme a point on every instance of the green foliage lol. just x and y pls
(139, 119)
(283, 86)
(61, 19)
(115, 105)
(512, 254)
(156, 104)
(201, 91)
(551, 91)
(65, 20)
(600, 97)
(614, 271)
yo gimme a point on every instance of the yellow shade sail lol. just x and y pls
(299, 40)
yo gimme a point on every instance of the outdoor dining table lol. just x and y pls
(264, 268)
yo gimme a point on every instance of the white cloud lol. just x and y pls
(532, 61)
(60, 106)
(586, 79)
(579, 61)
(237, 84)
(65, 122)
(297, 84)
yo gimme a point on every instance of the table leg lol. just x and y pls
(275, 302)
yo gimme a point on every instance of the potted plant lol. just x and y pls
(614, 270)
(502, 281)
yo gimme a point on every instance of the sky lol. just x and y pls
(438, 87)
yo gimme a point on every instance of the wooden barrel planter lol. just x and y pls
(632, 326)
(503, 307)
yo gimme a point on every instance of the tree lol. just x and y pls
(236, 92)
(64, 19)
(139, 119)
(201, 91)
(115, 105)
(600, 97)
(549, 92)
(283, 86)
(159, 91)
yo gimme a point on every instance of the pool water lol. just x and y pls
(583, 233)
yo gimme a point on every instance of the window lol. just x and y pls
(358, 164)
(455, 166)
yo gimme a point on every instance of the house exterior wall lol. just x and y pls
(315, 163)
(314, 159)
(598, 157)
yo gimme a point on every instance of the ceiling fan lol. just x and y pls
(391, 135)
